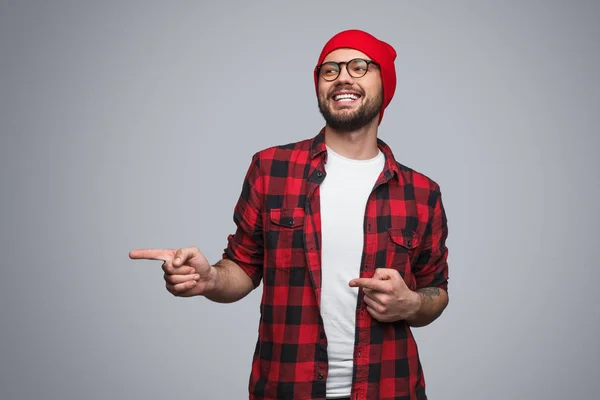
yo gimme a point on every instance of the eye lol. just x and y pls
(358, 66)
(329, 69)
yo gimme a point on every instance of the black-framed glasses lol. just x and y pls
(357, 68)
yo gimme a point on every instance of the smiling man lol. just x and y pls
(348, 243)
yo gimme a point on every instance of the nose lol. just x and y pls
(344, 76)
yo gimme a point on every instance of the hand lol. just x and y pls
(387, 297)
(187, 271)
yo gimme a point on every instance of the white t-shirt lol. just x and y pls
(343, 196)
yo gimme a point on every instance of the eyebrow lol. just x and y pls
(353, 58)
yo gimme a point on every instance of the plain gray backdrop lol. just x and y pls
(131, 124)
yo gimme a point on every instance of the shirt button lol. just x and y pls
(319, 174)
(291, 222)
(320, 377)
(408, 242)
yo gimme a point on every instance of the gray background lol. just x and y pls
(131, 124)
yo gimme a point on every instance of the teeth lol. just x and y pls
(345, 97)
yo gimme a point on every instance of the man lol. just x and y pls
(349, 245)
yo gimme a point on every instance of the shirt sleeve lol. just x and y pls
(431, 268)
(245, 246)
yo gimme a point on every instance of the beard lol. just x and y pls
(348, 121)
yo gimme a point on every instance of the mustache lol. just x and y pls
(344, 87)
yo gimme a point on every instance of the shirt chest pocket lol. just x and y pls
(284, 236)
(401, 251)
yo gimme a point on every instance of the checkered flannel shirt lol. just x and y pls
(277, 241)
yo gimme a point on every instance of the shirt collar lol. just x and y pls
(391, 166)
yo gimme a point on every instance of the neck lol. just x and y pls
(359, 145)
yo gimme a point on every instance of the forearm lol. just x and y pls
(431, 303)
(230, 283)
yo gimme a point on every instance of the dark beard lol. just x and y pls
(354, 121)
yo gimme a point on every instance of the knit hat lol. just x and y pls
(379, 51)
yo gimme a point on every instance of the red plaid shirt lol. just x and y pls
(278, 241)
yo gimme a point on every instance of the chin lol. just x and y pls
(346, 112)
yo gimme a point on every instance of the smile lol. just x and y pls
(345, 97)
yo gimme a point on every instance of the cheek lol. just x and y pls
(323, 90)
(373, 88)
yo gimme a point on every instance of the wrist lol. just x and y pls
(212, 283)
(416, 302)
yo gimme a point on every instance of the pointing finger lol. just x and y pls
(374, 284)
(151, 254)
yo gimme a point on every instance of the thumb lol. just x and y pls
(385, 274)
(187, 255)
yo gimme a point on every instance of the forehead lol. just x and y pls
(344, 55)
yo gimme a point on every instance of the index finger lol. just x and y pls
(369, 283)
(151, 254)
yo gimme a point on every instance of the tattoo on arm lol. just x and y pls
(429, 294)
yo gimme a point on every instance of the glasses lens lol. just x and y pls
(357, 67)
(330, 71)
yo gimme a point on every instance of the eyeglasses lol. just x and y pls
(357, 68)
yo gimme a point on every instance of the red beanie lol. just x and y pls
(379, 51)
